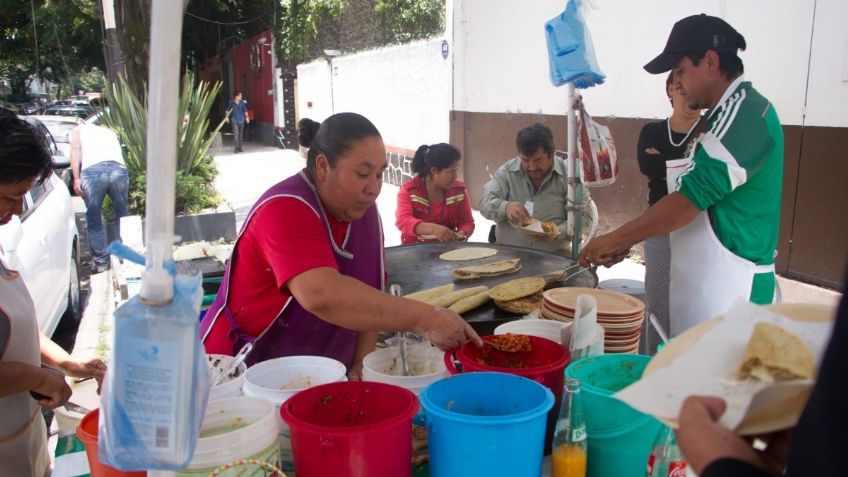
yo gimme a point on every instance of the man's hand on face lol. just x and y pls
(515, 211)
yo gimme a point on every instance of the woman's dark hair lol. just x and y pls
(441, 156)
(531, 138)
(668, 83)
(335, 136)
(24, 154)
(306, 131)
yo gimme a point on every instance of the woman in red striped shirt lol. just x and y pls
(434, 205)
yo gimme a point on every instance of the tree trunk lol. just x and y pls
(133, 28)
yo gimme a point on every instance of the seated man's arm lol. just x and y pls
(494, 200)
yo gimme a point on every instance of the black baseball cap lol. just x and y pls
(696, 34)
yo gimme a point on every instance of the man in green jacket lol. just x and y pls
(723, 211)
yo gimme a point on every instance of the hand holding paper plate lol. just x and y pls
(705, 360)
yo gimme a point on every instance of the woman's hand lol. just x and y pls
(444, 234)
(52, 388)
(92, 368)
(447, 330)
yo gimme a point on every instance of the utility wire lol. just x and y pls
(35, 35)
(221, 23)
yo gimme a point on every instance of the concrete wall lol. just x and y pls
(404, 90)
(498, 72)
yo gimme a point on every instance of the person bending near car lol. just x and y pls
(434, 205)
(25, 161)
(533, 184)
(97, 165)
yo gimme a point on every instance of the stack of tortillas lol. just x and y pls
(488, 270)
(522, 295)
(459, 301)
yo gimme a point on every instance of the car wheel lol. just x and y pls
(73, 313)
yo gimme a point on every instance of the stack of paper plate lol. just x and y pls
(620, 314)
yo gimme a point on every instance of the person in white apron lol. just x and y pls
(724, 211)
(24, 159)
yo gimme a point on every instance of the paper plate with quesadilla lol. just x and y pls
(537, 228)
(761, 360)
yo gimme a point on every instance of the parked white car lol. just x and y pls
(43, 245)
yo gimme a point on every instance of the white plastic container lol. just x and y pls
(84, 394)
(281, 378)
(549, 329)
(233, 429)
(426, 364)
(231, 387)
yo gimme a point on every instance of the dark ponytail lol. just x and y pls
(306, 131)
(441, 156)
(334, 137)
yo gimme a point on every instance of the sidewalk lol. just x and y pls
(237, 170)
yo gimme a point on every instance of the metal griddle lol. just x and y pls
(418, 267)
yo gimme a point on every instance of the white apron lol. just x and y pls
(23, 435)
(706, 278)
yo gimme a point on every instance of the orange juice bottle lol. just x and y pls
(569, 454)
(568, 460)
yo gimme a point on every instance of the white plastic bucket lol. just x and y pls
(281, 378)
(231, 387)
(426, 364)
(84, 394)
(233, 429)
(550, 329)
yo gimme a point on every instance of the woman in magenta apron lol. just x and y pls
(25, 159)
(306, 276)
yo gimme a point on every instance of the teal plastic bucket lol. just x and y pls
(486, 424)
(619, 437)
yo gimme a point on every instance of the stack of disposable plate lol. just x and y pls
(620, 314)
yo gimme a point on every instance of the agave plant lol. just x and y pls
(127, 116)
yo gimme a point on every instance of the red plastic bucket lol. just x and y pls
(87, 432)
(353, 429)
(545, 364)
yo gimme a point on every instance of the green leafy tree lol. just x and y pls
(407, 20)
(67, 35)
(299, 25)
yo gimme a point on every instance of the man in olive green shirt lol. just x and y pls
(530, 185)
(724, 212)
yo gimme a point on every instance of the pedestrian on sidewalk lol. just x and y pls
(307, 274)
(32, 367)
(98, 169)
(238, 118)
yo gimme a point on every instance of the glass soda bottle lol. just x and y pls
(569, 443)
(666, 460)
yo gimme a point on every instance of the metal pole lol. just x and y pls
(574, 183)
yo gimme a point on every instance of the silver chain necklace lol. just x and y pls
(682, 141)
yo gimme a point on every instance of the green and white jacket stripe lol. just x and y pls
(737, 172)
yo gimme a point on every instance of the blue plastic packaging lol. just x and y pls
(570, 50)
(156, 389)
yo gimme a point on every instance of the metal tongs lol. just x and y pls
(395, 290)
(239, 358)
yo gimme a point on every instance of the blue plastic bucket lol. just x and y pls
(619, 436)
(486, 424)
